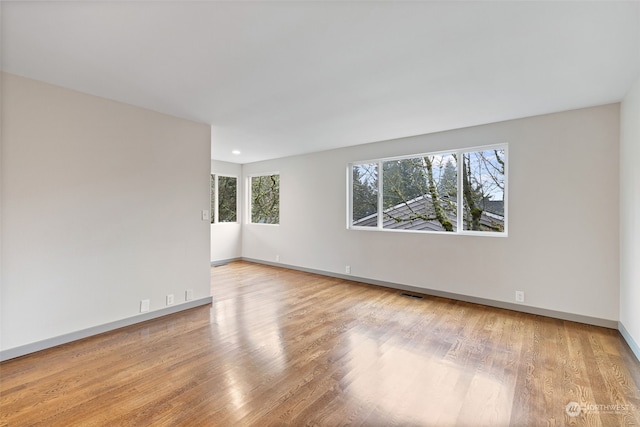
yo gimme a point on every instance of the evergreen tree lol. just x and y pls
(403, 180)
(365, 191)
(448, 183)
(432, 178)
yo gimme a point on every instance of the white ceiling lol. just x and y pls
(282, 78)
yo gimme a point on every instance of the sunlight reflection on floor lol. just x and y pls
(449, 393)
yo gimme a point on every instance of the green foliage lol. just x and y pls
(426, 189)
(227, 198)
(432, 178)
(403, 180)
(265, 199)
(213, 197)
(448, 184)
(365, 191)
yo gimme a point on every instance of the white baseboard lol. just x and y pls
(95, 330)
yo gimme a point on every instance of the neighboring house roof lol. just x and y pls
(492, 217)
(494, 207)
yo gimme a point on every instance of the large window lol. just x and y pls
(456, 191)
(224, 198)
(265, 199)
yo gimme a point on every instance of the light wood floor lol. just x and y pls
(282, 347)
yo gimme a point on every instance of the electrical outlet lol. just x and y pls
(347, 269)
(170, 299)
(188, 295)
(277, 258)
(144, 305)
(519, 296)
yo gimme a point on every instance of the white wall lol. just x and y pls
(562, 248)
(226, 237)
(101, 207)
(630, 213)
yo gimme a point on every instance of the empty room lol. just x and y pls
(319, 213)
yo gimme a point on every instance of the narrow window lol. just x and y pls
(227, 199)
(213, 198)
(265, 199)
(365, 195)
(483, 175)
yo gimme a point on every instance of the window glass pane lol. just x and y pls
(365, 195)
(483, 190)
(265, 199)
(213, 197)
(227, 191)
(420, 193)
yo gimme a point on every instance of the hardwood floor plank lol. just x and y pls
(285, 348)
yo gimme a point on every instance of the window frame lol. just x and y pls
(215, 203)
(459, 230)
(249, 198)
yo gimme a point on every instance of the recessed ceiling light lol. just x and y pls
(236, 152)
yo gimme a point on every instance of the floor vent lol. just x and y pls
(411, 296)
